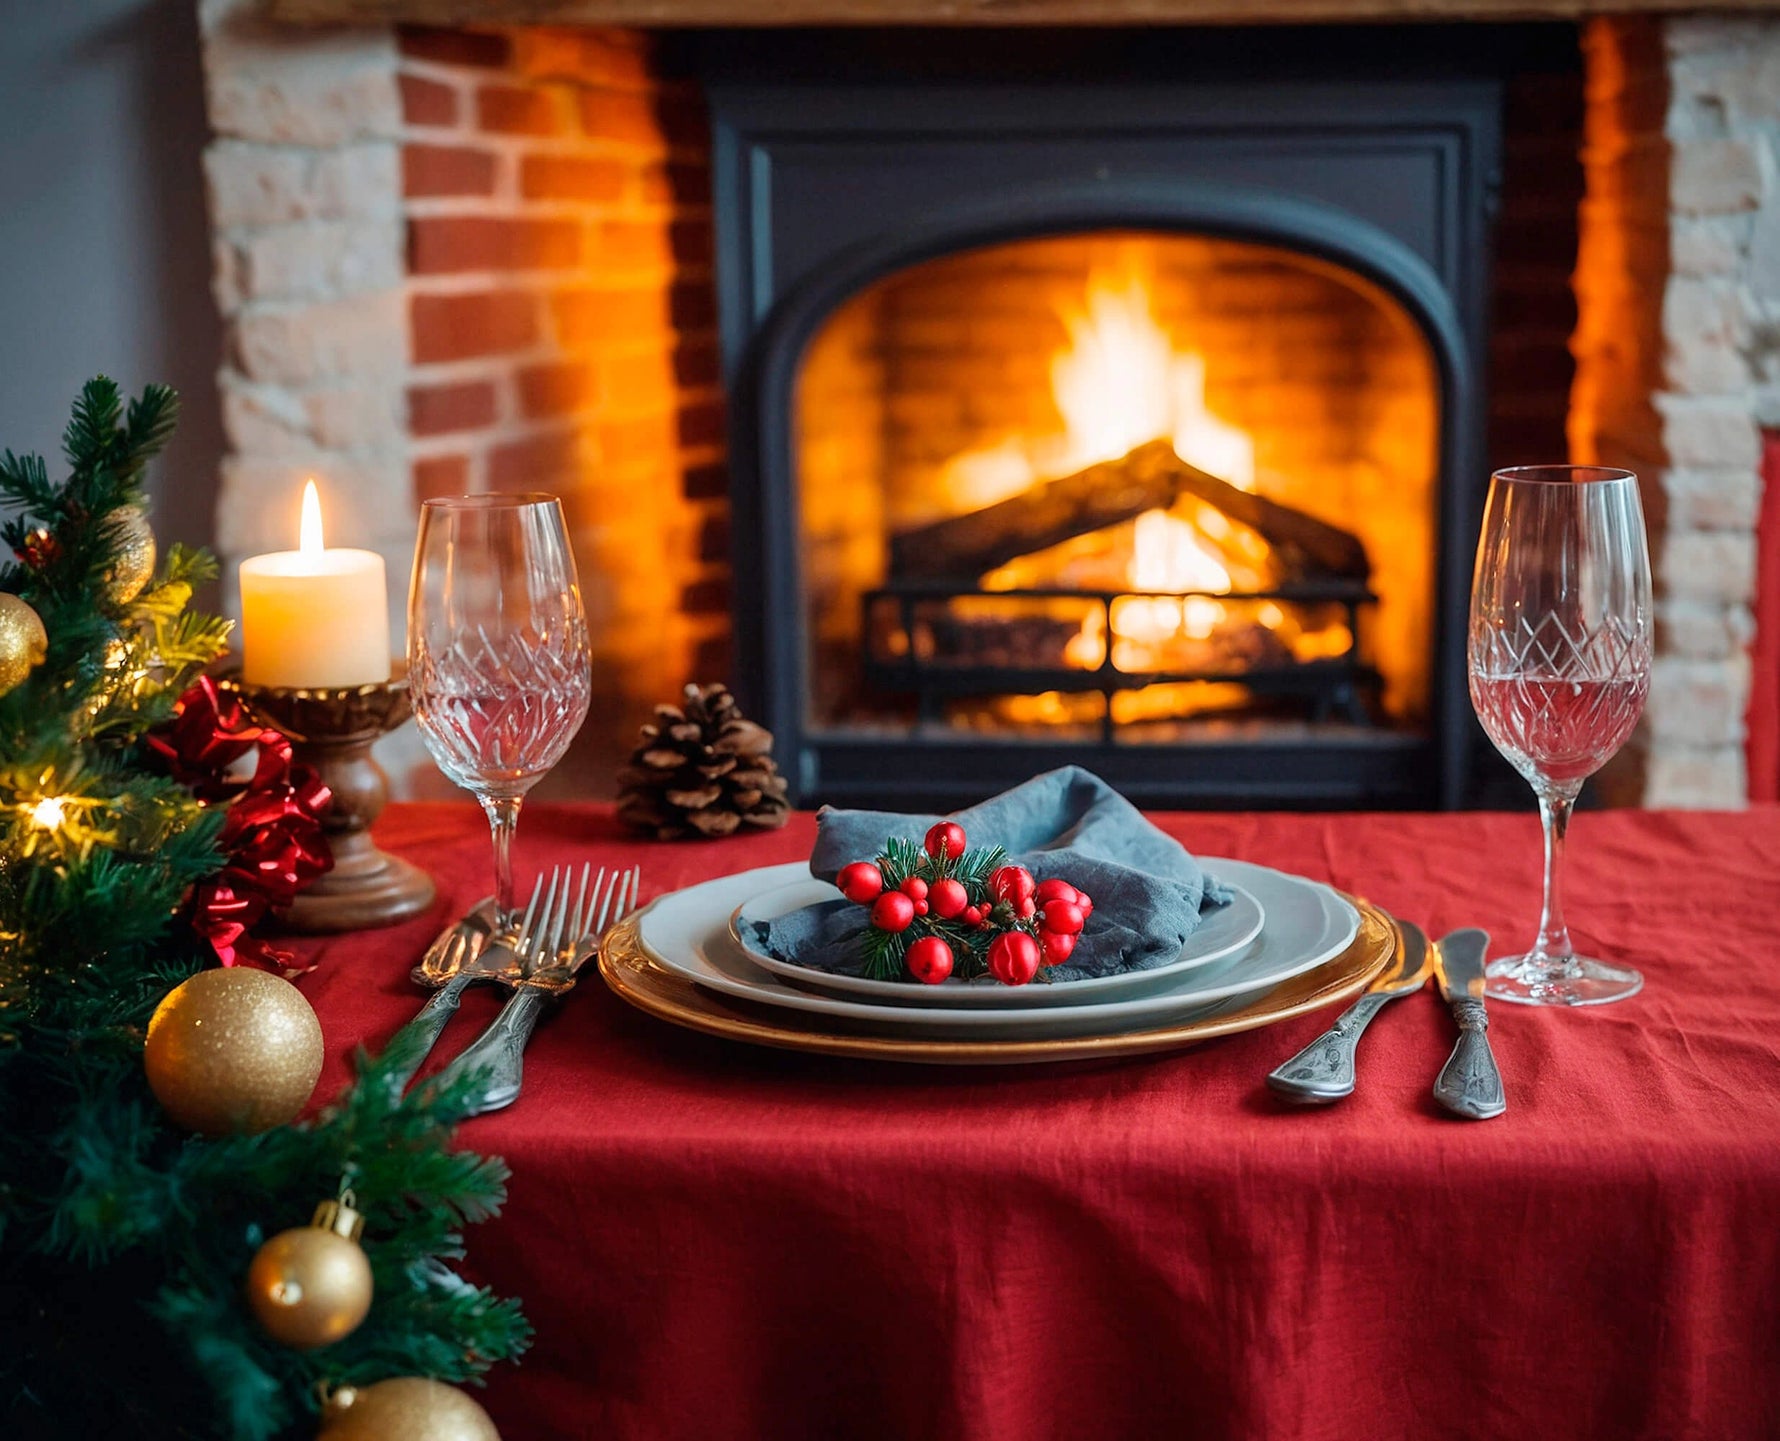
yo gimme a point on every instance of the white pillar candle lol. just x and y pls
(314, 618)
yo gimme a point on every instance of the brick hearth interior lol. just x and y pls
(458, 260)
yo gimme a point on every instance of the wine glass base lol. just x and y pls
(1537, 981)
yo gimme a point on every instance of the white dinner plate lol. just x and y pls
(687, 932)
(1221, 933)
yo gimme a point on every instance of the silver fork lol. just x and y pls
(565, 938)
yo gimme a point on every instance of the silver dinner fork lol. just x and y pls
(565, 937)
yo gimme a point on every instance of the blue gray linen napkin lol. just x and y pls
(1148, 892)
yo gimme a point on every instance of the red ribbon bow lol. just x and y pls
(272, 838)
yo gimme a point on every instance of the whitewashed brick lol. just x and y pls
(1702, 322)
(358, 417)
(1714, 177)
(315, 260)
(298, 344)
(1696, 778)
(269, 81)
(1709, 432)
(1695, 630)
(262, 419)
(1712, 499)
(1708, 565)
(1697, 702)
(254, 184)
(366, 502)
(1709, 245)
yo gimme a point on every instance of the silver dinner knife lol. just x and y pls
(1469, 1084)
(1324, 1070)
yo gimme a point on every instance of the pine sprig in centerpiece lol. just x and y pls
(124, 1239)
(944, 910)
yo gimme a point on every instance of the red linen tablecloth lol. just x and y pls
(716, 1241)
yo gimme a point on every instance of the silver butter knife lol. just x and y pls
(1469, 1084)
(1324, 1070)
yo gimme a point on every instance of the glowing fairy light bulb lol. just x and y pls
(48, 812)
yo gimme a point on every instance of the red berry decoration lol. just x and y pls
(1085, 902)
(1064, 917)
(1012, 883)
(915, 888)
(1056, 946)
(948, 899)
(929, 960)
(1054, 890)
(920, 908)
(893, 912)
(945, 841)
(862, 882)
(1013, 958)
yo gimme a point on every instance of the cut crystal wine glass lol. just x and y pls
(1560, 668)
(497, 652)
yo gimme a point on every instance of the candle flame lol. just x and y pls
(309, 537)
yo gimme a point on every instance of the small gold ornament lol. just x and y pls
(233, 1050)
(128, 529)
(409, 1408)
(23, 641)
(311, 1285)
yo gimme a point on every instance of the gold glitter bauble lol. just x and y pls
(23, 641)
(409, 1408)
(311, 1285)
(128, 529)
(233, 1050)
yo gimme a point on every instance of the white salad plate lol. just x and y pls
(687, 933)
(1221, 933)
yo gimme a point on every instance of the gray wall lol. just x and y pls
(104, 244)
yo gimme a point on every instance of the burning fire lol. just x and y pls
(1119, 384)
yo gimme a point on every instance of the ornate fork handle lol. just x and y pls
(428, 1025)
(1469, 1084)
(1324, 1070)
(501, 1048)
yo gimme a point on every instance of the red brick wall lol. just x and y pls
(562, 330)
(1531, 368)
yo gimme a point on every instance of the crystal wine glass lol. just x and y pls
(1560, 667)
(497, 652)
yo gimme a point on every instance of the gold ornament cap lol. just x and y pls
(339, 1217)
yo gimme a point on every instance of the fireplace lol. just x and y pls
(1095, 533)
(1133, 420)
(478, 252)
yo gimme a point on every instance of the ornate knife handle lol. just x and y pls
(1469, 1084)
(1324, 1070)
(428, 1025)
(501, 1048)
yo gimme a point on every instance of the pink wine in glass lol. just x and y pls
(1560, 728)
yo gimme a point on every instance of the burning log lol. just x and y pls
(1152, 477)
(965, 546)
(1305, 547)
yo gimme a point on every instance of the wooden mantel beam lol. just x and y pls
(668, 14)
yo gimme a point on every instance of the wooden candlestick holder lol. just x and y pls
(333, 730)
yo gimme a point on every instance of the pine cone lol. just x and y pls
(702, 769)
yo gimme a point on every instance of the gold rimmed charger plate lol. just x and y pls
(631, 972)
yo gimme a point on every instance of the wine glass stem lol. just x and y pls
(1554, 936)
(503, 821)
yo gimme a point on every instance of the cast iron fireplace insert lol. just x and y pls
(844, 161)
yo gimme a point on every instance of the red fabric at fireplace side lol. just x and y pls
(1763, 749)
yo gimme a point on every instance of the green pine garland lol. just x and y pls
(123, 1241)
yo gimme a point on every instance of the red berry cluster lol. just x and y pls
(1010, 927)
